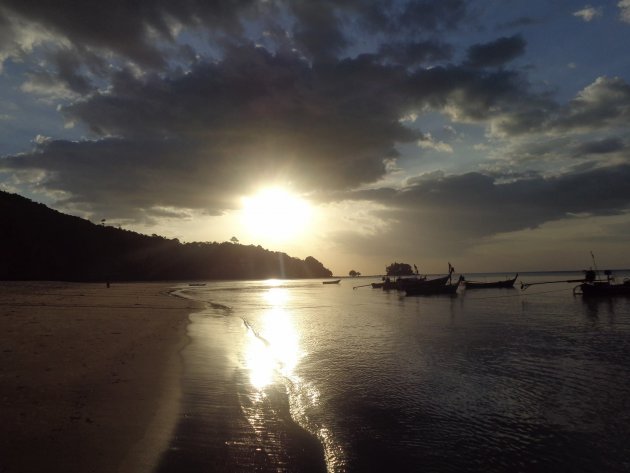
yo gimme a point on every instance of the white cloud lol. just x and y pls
(47, 87)
(624, 10)
(41, 139)
(19, 37)
(589, 13)
(410, 118)
(428, 142)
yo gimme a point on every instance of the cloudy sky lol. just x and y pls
(494, 134)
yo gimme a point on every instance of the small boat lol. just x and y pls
(423, 282)
(400, 283)
(508, 283)
(197, 284)
(430, 287)
(434, 289)
(388, 284)
(593, 287)
(406, 284)
(335, 281)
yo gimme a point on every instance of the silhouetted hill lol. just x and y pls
(39, 243)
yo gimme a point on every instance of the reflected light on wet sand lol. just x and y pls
(275, 348)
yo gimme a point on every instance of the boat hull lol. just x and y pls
(509, 283)
(432, 290)
(604, 289)
(413, 284)
(401, 284)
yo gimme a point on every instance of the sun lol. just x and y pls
(275, 214)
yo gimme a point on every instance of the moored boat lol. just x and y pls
(508, 283)
(429, 287)
(434, 289)
(403, 283)
(335, 281)
(592, 287)
(412, 283)
(399, 283)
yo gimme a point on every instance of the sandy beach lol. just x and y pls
(89, 375)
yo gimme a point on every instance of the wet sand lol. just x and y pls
(227, 424)
(89, 375)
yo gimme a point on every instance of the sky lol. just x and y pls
(491, 134)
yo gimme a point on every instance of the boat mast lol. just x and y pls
(595, 264)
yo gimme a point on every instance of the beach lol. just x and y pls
(89, 375)
(297, 376)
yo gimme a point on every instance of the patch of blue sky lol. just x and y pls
(24, 116)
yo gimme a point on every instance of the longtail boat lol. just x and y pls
(334, 281)
(434, 289)
(602, 288)
(429, 287)
(405, 284)
(508, 283)
(592, 285)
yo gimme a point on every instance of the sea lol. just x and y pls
(300, 376)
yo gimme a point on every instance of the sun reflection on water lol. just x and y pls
(272, 353)
(275, 346)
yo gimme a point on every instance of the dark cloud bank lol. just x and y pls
(174, 126)
(474, 206)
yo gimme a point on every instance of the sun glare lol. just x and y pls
(275, 214)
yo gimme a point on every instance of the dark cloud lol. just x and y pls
(318, 30)
(523, 203)
(427, 15)
(141, 30)
(417, 52)
(604, 103)
(67, 66)
(325, 28)
(255, 116)
(496, 53)
(527, 116)
(452, 213)
(519, 22)
(601, 107)
(199, 136)
(67, 73)
(129, 29)
(603, 146)
(126, 177)
(225, 127)
(468, 94)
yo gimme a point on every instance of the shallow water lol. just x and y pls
(287, 375)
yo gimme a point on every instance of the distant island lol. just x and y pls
(39, 243)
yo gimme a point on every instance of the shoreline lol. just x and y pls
(89, 375)
(229, 424)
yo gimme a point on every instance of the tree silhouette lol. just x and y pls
(50, 246)
(399, 269)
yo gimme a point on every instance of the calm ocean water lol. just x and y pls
(301, 376)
